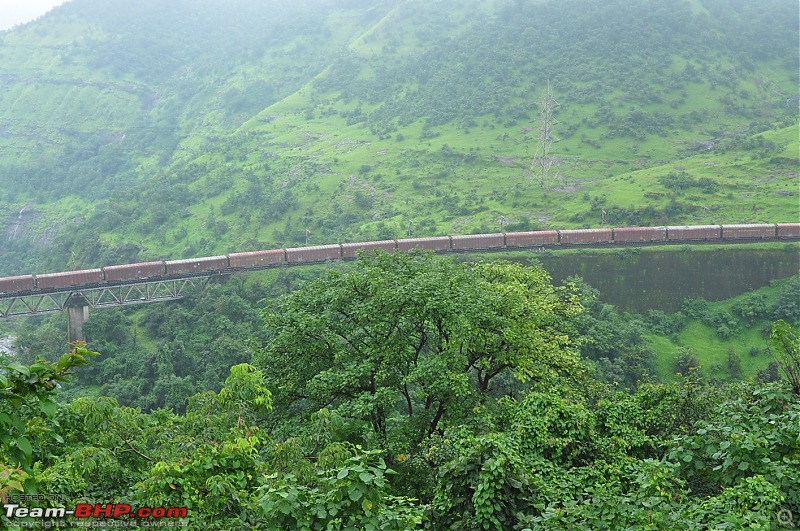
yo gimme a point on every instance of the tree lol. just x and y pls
(785, 346)
(353, 495)
(27, 407)
(404, 342)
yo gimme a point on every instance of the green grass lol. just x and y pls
(711, 350)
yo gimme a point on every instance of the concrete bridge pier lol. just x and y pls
(78, 313)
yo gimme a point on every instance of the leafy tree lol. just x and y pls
(785, 346)
(787, 306)
(685, 361)
(752, 435)
(484, 487)
(28, 417)
(26, 393)
(734, 364)
(404, 342)
(751, 308)
(353, 495)
(212, 463)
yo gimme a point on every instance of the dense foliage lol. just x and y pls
(402, 394)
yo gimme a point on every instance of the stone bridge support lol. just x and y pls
(78, 314)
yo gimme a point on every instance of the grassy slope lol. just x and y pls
(358, 181)
(711, 350)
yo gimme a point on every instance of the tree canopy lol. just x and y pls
(408, 343)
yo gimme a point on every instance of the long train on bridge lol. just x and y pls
(120, 274)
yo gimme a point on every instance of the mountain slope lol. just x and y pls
(148, 131)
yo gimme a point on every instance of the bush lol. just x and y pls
(752, 308)
(695, 308)
(787, 306)
(485, 486)
(685, 361)
(665, 324)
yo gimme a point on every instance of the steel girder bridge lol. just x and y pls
(77, 302)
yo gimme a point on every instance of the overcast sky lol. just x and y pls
(13, 12)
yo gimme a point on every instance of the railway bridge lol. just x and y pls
(77, 302)
(76, 292)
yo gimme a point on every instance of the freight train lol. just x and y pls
(152, 271)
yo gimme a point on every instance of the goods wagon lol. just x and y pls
(349, 249)
(640, 234)
(197, 265)
(318, 253)
(257, 258)
(478, 241)
(748, 231)
(69, 278)
(16, 284)
(531, 239)
(694, 232)
(437, 243)
(584, 236)
(788, 230)
(117, 273)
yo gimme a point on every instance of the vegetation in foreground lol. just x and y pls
(413, 392)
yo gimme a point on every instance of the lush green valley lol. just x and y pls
(402, 391)
(128, 135)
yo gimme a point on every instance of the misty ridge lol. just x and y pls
(187, 128)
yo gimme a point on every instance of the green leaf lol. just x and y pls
(19, 368)
(24, 445)
(744, 465)
(48, 407)
(342, 473)
(354, 493)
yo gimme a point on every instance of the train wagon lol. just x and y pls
(317, 253)
(640, 234)
(739, 232)
(585, 236)
(694, 232)
(531, 239)
(435, 243)
(69, 279)
(257, 258)
(349, 250)
(788, 230)
(478, 241)
(16, 284)
(119, 273)
(196, 265)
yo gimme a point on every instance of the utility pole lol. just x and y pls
(543, 160)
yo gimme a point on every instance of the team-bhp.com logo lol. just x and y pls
(97, 510)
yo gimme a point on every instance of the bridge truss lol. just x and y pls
(34, 303)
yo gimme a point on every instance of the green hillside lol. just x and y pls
(161, 129)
